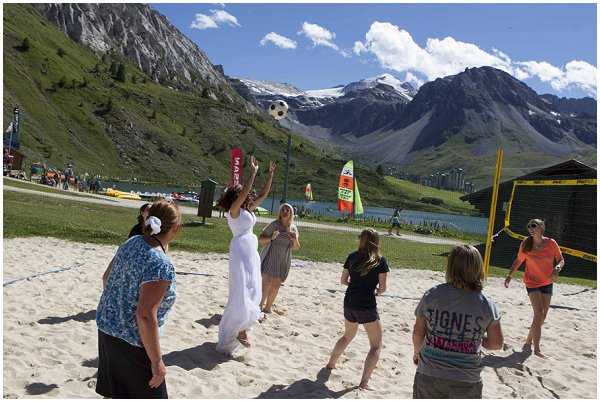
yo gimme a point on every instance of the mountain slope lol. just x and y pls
(358, 108)
(76, 110)
(455, 121)
(461, 120)
(142, 35)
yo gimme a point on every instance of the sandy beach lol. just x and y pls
(50, 335)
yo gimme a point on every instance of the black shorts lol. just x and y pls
(547, 290)
(361, 316)
(124, 371)
(395, 224)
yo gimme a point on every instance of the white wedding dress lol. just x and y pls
(245, 286)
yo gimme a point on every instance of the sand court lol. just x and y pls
(50, 335)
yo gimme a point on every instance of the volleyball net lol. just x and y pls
(568, 208)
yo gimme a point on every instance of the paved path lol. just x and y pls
(105, 200)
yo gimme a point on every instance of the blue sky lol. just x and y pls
(551, 47)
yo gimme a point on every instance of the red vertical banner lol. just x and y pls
(236, 163)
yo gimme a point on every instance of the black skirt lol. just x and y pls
(124, 370)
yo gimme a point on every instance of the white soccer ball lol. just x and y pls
(278, 109)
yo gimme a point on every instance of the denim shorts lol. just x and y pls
(361, 316)
(547, 290)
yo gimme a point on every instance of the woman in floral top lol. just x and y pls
(139, 291)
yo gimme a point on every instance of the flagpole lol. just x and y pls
(354, 192)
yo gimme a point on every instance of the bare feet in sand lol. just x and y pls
(330, 366)
(262, 317)
(279, 311)
(364, 387)
(539, 353)
(243, 338)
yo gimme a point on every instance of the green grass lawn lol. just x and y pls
(417, 192)
(329, 220)
(37, 215)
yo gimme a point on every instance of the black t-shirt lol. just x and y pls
(360, 294)
(135, 231)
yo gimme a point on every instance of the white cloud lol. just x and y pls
(543, 70)
(318, 35)
(203, 22)
(223, 17)
(278, 40)
(581, 74)
(413, 79)
(359, 48)
(394, 48)
(215, 20)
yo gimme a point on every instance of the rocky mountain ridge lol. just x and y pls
(145, 37)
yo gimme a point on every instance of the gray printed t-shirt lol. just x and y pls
(456, 320)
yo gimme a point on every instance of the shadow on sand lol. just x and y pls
(514, 360)
(305, 389)
(204, 356)
(209, 322)
(80, 317)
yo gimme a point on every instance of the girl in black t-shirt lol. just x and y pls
(365, 274)
(142, 216)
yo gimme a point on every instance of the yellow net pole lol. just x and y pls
(492, 218)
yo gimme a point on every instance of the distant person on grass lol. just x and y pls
(139, 226)
(395, 222)
(279, 239)
(543, 262)
(453, 321)
(68, 173)
(365, 274)
(139, 292)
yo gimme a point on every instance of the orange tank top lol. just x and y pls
(539, 264)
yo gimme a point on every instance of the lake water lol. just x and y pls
(459, 222)
(462, 223)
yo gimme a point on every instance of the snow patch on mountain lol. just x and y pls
(258, 87)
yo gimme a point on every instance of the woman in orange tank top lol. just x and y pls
(543, 261)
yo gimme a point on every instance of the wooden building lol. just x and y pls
(569, 213)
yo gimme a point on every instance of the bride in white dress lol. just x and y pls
(243, 305)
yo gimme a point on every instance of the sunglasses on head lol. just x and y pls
(532, 226)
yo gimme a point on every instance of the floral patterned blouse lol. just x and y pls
(135, 263)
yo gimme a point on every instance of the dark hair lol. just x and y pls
(167, 212)
(528, 242)
(140, 217)
(465, 268)
(231, 194)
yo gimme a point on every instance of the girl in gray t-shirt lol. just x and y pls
(454, 320)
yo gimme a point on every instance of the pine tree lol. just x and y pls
(24, 45)
(113, 69)
(121, 75)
